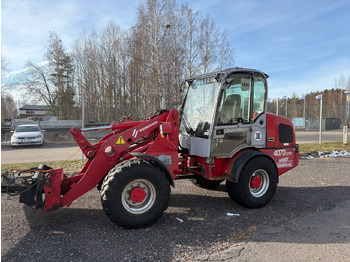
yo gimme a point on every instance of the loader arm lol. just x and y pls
(141, 136)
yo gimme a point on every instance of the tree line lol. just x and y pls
(138, 71)
(308, 106)
(8, 106)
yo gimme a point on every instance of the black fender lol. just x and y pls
(157, 162)
(242, 160)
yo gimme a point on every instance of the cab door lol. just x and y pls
(240, 115)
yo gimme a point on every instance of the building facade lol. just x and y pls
(33, 111)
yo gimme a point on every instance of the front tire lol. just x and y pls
(135, 193)
(257, 184)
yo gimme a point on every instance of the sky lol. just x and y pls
(303, 45)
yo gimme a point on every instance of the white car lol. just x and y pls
(27, 135)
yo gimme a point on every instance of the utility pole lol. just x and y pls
(286, 98)
(303, 98)
(164, 91)
(346, 122)
(320, 134)
(304, 120)
(82, 118)
(347, 104)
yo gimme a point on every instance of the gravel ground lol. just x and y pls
(83, 232)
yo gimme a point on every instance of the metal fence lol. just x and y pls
(309, 111)
(60, 145)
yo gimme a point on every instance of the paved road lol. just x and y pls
(323, 236)
(313, 136)
(307, 220)
(69, 150)
(51, 151)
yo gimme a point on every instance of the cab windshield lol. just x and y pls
(197, 112)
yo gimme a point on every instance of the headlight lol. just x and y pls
(38, 137)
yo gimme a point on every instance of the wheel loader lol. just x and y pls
(221, 132)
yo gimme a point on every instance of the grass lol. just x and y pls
(238, 236)
(68, 166)
(326, 147)
(241, 235)
(77, 165)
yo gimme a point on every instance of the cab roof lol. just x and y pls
(226, 72)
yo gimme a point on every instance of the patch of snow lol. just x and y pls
(332, 154)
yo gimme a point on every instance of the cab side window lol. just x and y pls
(259, 95)
(235, 100)
(244, 99)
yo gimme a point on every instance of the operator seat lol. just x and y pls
(231, 109)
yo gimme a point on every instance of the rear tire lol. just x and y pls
(135, 193)
(257, 184)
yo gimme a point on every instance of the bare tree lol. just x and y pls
(226, 53)
(8, 107)
(36, 81)
(140, 70)
(101, 65)
(52, 81)
(208, 42)
(4, 73)
(189, 26)
(151, 37)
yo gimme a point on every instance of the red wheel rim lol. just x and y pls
(259, 183)
(137, 194)
(255, 182)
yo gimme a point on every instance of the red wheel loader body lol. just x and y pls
(222, 132)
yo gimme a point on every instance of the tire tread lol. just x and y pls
(122, 174)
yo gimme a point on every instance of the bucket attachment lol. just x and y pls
(38, 187)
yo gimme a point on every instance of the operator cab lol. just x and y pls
(224, 112)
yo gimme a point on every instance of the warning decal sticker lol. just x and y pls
(120, 141)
